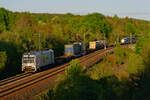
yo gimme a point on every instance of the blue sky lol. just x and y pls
(132, 8)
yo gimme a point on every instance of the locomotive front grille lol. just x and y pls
(29, 69)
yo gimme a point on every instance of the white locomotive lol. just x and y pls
(34, 60)
(129, 40)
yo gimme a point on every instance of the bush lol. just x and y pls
(134, 64)
(47, 95)
(74, 70)
(102, 70)
(119, 53)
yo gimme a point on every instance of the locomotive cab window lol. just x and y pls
(28, 60)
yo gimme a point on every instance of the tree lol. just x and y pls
(145, 53)
(3, 59)
(141, 42)
(3, 20)
(75, 85)
(130, 28)
(143, 49)
(97, 23)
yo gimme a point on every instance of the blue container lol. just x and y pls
(73, 49)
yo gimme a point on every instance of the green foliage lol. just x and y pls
(145, 53)
(47, 95)
(105, 82)
(73, 85)
(113, 89)
(101, 71)
(134, 64)
(143, 48)
(141, 42)
(74, 70)
(97, 23)
(119, 53)
(82, 88)
(3, 19)
(13, 63)
(123, 26)
(130, 28)
(3, 59)
(112, 64)
(41, 18)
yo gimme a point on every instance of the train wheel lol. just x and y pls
(38, 70)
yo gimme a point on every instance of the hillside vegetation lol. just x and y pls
(123, 75)
(21, 32)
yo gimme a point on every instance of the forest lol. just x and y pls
(24, 31)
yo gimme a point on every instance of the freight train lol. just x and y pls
(34, 60)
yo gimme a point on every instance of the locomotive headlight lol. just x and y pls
(122, 41)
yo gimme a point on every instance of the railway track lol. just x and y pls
(23, 81)
(14, 78)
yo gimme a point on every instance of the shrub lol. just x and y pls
(119, 53)
(75, 69)
(134, 64)
(101, 70)
(47, 95)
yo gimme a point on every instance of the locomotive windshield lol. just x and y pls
(28, 59)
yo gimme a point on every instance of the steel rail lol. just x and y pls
(12, 79)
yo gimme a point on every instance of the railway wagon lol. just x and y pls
(71, 51)
(96, 44)
(74, 49)
(129, 40)
(34, 60)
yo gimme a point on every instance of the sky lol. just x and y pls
(139, 9)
